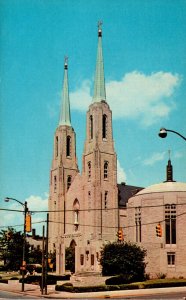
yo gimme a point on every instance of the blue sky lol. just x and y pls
(144, 46)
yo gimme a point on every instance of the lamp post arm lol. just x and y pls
(176, 133)
(9, 198)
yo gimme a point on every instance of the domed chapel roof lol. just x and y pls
(171, 186)
(167, 186)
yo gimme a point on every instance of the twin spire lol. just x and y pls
(65, 118)
(99, 83)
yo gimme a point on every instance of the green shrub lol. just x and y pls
(120, 279)
(67, 284)
(123, 258)
(4, 280)
(129, 286)
(31, 279)
(51, 279)
(169, 283)
(82, 289)
(64, 288)
(161, 276)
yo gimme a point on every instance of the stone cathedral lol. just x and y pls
(86, 204)
(86, 209)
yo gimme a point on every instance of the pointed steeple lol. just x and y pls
(65, 118)
(169, 170)
(99, 84)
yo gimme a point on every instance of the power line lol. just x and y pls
(96, 226)
(94, 209)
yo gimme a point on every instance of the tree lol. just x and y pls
(125, 259)
(11, 245)
(35, 256)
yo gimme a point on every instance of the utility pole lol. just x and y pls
(43, 261)
(46, 252)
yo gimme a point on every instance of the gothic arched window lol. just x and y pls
(104, 127)
(76, 208)
(91, 127)
(56, 146)
(68, 146)
(89, 170)
(69, 181)
(55, 184)
(170, 223)
(105, 169)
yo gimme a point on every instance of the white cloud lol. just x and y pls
(179, 154)
(144, 97)
(121, 176)
(154, 158)
(34, 203)
(81, 99)
(37, 203)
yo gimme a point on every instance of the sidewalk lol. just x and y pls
(34, 291)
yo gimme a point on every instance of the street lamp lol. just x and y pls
(7, 199)
(163, 133)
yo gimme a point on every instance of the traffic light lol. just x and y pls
(28, 223)
(158, 230)
(120, 235)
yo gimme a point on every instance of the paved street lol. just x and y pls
(13, 291)
(12, 295)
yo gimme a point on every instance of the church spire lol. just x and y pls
(65, 118)
(99, 84)
(169, 170)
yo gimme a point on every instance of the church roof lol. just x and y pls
(99, 84)
(170, 186)
(65, 118)
(167, 186)
(125, 192)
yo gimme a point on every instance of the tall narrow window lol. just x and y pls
(55, 184)
(106, 199)
(81, 259)
(69, 180)
(105, 169)
(89, 200)
(68, 146)
(89, 170)
(138, 224)
(56, 146)
(76, 208)
(92, 259)
(170, 223)
(104, 127)
(91, 127)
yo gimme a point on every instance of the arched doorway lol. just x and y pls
(70, 257)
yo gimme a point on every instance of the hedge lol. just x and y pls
(68, 287)
(119, 279)
(51, 279)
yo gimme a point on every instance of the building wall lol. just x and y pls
(152, 212)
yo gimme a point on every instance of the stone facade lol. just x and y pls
(88, 208)
(163, 204)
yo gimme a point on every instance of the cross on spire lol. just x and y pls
(169, 152)
(100, 28)
(65, 118)
(66, 62)
(99, 83)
